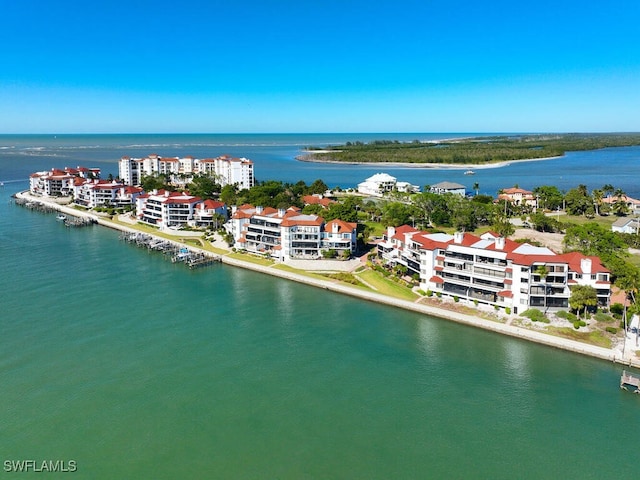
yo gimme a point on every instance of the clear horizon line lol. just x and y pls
(331, 133)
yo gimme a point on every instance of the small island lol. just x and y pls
(480, 151)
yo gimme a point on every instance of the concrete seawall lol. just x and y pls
(613, 355)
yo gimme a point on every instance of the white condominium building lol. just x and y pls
(225, 169)
(166, 209)
(284, 234)
(493, 270)
(93, 193)
(57, 182)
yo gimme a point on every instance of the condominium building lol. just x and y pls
(93, 193)
(166, 209)
(284, 234)
(59, 182)
(493, 270)
(180, 170)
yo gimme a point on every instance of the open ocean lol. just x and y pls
(134, 367)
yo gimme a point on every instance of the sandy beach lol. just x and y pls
(309, 157)
(614, 354)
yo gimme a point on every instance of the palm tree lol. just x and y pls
(608, 189)
(476, 187)
(597, 199)
(620, 207)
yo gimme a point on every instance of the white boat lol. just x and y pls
(60, 217)
(469, 172)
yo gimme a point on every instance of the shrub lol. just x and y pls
(331, 253)
(613, 330)
(438, 294)
(603, 317)
(456, 298)
(567, 316)
(617, 309)
(422, 292)
(496, 308)
(507, 310)
(475, 302)
(576, 325)
(429, 293)
(534, 315)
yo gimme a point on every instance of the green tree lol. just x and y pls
(314, 209)
(597, 196)
(578, 201)
(542, 271)
(153, 182)
(317, 187)
(544, 223)
(229, 195)
(608, 189)
(549, 197)
(582, 297)
(204, 187)
(594, 239)
(502, 226)
(346, 210)
(396, 214)
(620, 208)
(218, 220)
(626, 276)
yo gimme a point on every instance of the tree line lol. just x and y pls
(471, 151)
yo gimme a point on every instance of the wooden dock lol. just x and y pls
(629, 382)
(176, 252)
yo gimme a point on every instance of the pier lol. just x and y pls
(70, 220)
(176, 252)
(629, 382)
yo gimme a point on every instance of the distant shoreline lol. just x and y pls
(308, 157)
(608, 354)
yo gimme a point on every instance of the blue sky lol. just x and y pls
(331, 66)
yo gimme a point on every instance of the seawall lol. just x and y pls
(613, 355)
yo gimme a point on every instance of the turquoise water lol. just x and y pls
(135, 367)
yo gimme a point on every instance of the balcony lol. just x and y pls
(486, 272)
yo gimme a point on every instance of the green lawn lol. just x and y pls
(581, 219)
(386, 286)
(378, 229)
(306, 273)
(252, 259)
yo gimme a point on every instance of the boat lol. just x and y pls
(469, 172)
(60, 217)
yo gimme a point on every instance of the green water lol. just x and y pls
(134, 367)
